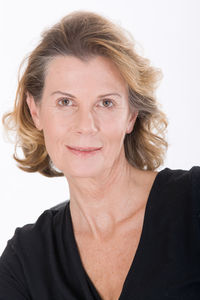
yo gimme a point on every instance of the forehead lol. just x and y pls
(97, 71)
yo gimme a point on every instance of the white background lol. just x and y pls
(168, 33)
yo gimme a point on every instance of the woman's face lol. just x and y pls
(84, 106)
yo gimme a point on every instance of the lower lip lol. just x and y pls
(83, 153)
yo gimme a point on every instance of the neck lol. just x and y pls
(98, 205)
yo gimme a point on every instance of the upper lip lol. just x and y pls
(85, 148)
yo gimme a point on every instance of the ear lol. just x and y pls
(34, 110)
(131, 122)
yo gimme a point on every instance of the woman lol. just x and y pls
(86, 109)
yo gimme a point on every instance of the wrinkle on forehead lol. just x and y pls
(98, 71)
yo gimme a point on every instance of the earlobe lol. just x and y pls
(34, 110)
(132, 122)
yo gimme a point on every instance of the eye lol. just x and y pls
(64, 102)
(107, 103)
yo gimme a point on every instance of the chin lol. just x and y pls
(82, 172)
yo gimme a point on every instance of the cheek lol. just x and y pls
(54, 125)
(52, 132)
(114, 130)
(54, 135)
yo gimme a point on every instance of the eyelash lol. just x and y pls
(63, 99)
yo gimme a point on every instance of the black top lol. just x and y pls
(42, 261)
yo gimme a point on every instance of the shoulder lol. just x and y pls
(45, 227)
(179, 177)
(179, 189)
(29, 252)
(195, 178)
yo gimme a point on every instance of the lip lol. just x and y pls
(84, 152)
(84, 148)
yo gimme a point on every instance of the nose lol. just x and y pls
(86, 123)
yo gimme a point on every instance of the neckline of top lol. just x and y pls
(157, 183)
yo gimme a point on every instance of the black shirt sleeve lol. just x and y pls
(196, 187)
(12, 280)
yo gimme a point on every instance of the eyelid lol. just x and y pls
(104, 99)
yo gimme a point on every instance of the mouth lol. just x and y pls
(86, 151)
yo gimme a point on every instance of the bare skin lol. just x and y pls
(107, 195)
(108, 250)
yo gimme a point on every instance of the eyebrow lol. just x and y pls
(72, 96)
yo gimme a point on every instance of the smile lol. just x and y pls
(83, 151)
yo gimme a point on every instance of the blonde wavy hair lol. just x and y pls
(84, 34)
